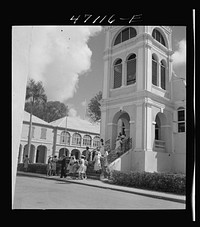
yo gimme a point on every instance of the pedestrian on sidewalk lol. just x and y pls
(63, 167)
(53, 165)
(26, 162)
(49, 166)
(81, 170)
(97, 161)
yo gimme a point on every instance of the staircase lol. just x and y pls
(112, 156)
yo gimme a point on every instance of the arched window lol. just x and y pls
(181, 119)
(163, 74)
(154, 70)
(158, 36)
(125, 34)
(118, 73)
(96, 141)
(76, 139)
(87, 140)
(65, 138)
(131, 69)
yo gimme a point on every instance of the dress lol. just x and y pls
(82, 167)
(26, 162)
(70, 167)
(97, 160)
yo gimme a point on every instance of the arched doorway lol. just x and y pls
(31, 153)
(41, 154)
(76, 153)
(160, 132)
(120, 125)
(63, 151)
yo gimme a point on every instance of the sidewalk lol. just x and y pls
(106, 185)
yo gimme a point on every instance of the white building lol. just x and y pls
(55, 138)
(143, 99)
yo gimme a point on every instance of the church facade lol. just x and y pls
(143, 99)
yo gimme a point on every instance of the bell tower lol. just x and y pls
(137, 84)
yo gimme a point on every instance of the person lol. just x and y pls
(97, 161)
(53, 165)
(49, 166)
(102, 148)
(123, 140)
(71, 163)
(81, 169)
(87, 153)
(63, 167)
(26, 162)
(118, 146)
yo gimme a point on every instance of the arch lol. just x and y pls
(76, 153)
(63, 151)
(154, 69)
(76, 139)
(87, 140)
(124, 35)
(41, 154)
(117, 73)
(131, 69)
(31, 153)
(121, 124)
(163, 74)
(159, 35)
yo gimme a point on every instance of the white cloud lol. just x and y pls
(72, 112)
(59, 56)
(179, 56)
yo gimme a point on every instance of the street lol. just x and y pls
(40, 193)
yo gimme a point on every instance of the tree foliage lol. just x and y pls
(94, 111)
(36, 101)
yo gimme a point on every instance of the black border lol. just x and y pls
(174, 17)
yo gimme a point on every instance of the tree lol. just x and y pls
(35, 93)
(94, 111)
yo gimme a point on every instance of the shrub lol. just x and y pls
(34, 168)
(165, 182)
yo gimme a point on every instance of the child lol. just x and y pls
(81, 169)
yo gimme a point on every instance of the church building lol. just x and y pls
(143, 99)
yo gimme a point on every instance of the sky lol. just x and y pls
(69, 60)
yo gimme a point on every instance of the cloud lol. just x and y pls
(59, 55)
(179, 56)
(72, 112)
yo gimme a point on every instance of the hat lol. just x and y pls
(123, 136)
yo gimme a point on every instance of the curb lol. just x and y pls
(112, 187)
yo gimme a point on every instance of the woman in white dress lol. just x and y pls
(97, 161)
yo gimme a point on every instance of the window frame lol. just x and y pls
(119, 37)
(86, 141)
(75, 138)
(182, 121)
(116, 64)
(133, 77)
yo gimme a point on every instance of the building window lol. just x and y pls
(96, 141)
(131, 69)
(118, 73)
(76, 139)
(154, 71)
(87, 141)
(124, 35)
(181, 119)
(163, 75)
(158, 36)
(157, 128)
(65, 138)
(43, 133)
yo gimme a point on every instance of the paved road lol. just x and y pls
(39, 193)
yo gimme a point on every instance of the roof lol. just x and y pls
(34, 119)
(77, 124)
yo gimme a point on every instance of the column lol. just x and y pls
(139, 126)
(148, 127)
(139, 69)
